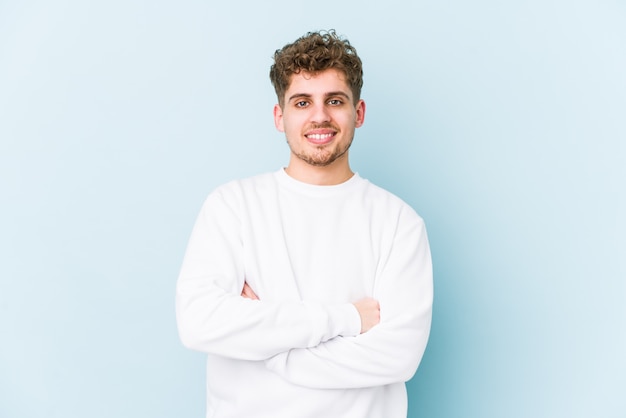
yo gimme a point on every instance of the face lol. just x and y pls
(319, 117)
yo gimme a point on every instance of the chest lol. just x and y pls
(327, 250)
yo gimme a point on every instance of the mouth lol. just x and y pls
(320, 137)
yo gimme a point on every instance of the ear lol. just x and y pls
(278, 118)
(360, 113)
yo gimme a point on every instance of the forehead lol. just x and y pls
(322, 82)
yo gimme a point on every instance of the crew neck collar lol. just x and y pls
(289, 182)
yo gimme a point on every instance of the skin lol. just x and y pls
(319, 117)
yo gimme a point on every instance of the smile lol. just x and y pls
(320, 137)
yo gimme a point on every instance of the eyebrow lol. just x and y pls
(308, 96)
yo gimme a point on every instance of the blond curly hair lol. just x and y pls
(313, 53)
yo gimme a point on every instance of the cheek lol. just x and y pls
(347, 121)
(292, 124)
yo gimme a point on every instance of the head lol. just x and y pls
(313, 53)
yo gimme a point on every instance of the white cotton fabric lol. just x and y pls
(308, 252)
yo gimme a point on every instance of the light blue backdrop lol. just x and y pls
(502, 123)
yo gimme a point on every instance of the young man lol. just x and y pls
(310, 289)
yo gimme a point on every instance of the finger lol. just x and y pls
(248, 292)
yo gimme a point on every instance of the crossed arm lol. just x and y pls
(307, 343)
(395, 327)
(368, 308)
(394, 331)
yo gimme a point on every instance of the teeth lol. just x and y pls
(319, 136)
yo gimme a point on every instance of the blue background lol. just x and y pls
(502, 123)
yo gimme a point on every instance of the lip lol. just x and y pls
(320, 136)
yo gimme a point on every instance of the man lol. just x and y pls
(309, 288)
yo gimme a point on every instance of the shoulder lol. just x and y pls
(388, 202)
(245, 184)
(236, 191)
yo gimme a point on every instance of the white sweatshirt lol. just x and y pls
(308, 252)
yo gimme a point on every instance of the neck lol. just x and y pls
(335, 173)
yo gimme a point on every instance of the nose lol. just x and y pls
(320, 113)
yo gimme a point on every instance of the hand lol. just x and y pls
(369, 310)
(248, 293)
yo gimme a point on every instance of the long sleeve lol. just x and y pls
(212, 315)
(391, 351)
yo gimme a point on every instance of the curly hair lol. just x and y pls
(313, 53)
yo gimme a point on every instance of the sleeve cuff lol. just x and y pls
(345, 320)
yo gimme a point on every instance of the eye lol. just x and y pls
(301, 103)
(335, 102)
